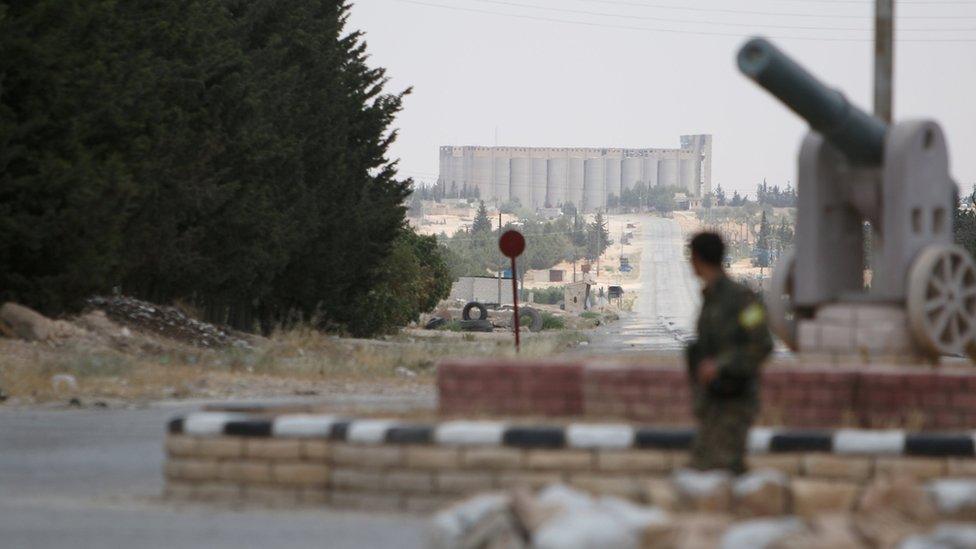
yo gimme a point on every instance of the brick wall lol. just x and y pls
(548, 388)
(806, 395)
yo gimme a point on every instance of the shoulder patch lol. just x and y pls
(752, 316)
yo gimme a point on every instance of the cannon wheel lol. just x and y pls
(779, 301)
(942, 300)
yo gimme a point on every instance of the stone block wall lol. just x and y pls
(813, 394)
(308, 459)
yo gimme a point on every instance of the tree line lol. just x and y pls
(474, 252)
(766, 195)
(231, 154)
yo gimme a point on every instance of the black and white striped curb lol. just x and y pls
(762, 440)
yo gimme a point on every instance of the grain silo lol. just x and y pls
(667, 171)
(631, 172)
(650, 171)
(556, 182)
(594, 185)
(481, 174)
(522, 180)
(688, 176)
(503, 180)
(540, 172)
(611, 173)
(574, 185)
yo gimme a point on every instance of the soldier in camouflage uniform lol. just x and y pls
(723, 363)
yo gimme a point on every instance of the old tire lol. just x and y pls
(535, 319)
(435, 323)
(779, 301)
(941, 300)
(481, 325)
(482, 311)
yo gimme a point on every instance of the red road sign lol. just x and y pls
(512, 244)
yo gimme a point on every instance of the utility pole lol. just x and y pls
(884, 53)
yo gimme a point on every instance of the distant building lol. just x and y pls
(546, 177)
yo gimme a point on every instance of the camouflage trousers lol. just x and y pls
(723, 429)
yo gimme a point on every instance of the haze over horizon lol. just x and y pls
(634, 74)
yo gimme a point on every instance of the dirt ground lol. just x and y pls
(97, 361)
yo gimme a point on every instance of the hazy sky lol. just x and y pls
(613, 82)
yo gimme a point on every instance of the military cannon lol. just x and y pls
(854, 168)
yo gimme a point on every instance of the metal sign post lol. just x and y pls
(512, 244)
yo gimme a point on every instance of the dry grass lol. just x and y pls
(298, 361)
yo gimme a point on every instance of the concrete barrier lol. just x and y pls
(311, 459)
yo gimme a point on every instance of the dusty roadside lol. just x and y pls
(103, 359)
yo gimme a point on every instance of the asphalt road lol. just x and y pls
(92, 479)
(84, 478)
(668, 301)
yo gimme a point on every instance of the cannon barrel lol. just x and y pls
(857, 134)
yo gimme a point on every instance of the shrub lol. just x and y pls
(552, 322)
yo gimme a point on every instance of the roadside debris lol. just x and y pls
(168, 322)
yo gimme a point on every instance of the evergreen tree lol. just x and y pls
(579, 232)
(761, 254)
(597, 237)
(784, 237)
(719, 196)
(568, 209)
(65, 187)
(736, 200)
(964, 223)
(230, 154)
(482, 223)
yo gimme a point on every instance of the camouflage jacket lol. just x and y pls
(731, 330)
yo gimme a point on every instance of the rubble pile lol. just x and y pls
(168, 322)
(714, 509)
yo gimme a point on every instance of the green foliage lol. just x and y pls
(548, 296)
(762, 252)
(643, 197)
(597, 237)
(720, 198)
(64, 183)
(964, 224)
(413, 279)
(228, 154)
(451, 326)
(774, 196)
(547, 243)
(738, 200)
(552, 322)
(482, 224)
(783, 237)
(590, 315)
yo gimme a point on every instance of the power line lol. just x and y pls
(700, 22)
(661, 30)
(869, 2)
(758, 12)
